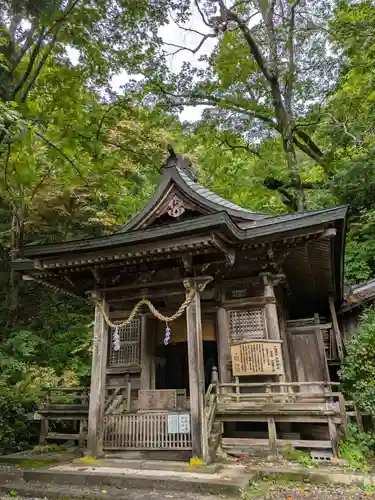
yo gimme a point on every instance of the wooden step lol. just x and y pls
(233, 443)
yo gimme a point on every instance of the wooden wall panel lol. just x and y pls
(307, 358)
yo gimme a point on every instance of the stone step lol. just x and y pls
(140, 464)
(230, 481)
(55, 491)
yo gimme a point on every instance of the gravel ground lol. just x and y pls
(276, 491)
(259, 491)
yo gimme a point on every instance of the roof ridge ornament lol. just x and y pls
(180, 162)
(176, 206)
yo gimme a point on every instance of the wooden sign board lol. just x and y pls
(257, 358)
(163, 399)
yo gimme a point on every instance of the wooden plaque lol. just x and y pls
(257, 358)
(163, 399)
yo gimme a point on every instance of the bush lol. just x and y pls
(16, 431)
(358, 371)
(357, 449)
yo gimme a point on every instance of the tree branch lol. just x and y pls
(290, 77)
(193, 51)
(196, 2)
(39, 68)
(47, 173)
(246, 148)
(33, 57)
(25, 47)
(65, 156)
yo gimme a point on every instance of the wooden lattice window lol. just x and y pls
(130, 338)
(246, 325)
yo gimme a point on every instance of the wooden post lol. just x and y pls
(333, 436)
(272, 319)
(285, 349)
(322, 350)
(336, 329)
(343, 415)
(81, 440)
(272, 436)
(43, 432)
(196, 375)
(223, 345)
(145, 355)
(97, 387)
(358, 417)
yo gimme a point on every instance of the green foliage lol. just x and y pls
(356, 450)
(15, 430)
(358, 370)
(298, 456)
(47, 448)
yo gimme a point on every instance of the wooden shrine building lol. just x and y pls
(255, 296)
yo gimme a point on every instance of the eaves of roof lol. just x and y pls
(217, 222)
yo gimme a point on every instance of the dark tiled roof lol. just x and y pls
(215, 198)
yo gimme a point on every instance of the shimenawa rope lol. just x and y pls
(167, 319)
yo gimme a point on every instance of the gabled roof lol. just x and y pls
(178, 178)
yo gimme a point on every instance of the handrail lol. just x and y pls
(210, 389)
(277, 384)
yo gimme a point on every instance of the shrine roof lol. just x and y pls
(179, 179)
(220, 221)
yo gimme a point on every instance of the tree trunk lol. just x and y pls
(290, 154)
(18, 220)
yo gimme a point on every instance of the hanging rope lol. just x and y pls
(167, 319)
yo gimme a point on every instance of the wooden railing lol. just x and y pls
(143, 431)
(62, 396)
(64, 403)
(210, 406)
(118, 399)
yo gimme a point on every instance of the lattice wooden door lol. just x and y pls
(130, 338)
(246, 325)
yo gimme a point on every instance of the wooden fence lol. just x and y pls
(142, 431)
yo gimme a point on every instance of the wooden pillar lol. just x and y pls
(336, 329)
(285, 348)
(223, 345)
(322, 350)
(43, 432)
(333, 437)
(272, 436)
(272, 319)
(97, 387)
(196, 376)
(146, 355)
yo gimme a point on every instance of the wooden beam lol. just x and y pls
(97, 388)
(196, 378)
(336, 329)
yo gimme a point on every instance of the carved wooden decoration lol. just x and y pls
(163, 399)
(257, 358)
(176, 207)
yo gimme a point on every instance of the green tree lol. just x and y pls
(358, 370)
(269, 67)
